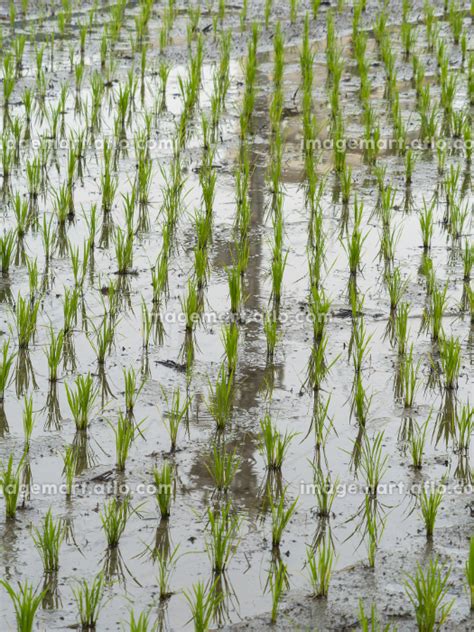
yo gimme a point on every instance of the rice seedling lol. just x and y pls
(359, 344)
(114, 517)
(417, 443)
(356, 241)
(373, 463)
(54, 353)
(69, 468)
(278, 579)
(89, 597)
(70, 309)
(426, 224)
(230, 340)
(468, 261)
(273, 445)
(7, 245)
(374, 528)
(429, 506)
(319, 307)
(124, 251)
(281, 516)
(318, 368)
(81, 399)
(270, 328)
(325, 491)
(469, 569)
(104, 339)
(235, 289)
(396, 287)
(166, 564)
(159, 277)
(223, 466)
(401, 327)
(360, 401)
(164, 479)
(124, 433)
(26, 315)
(10, 485)
(223, 536)
(371, 624)
(220, 398)
(191, 307)
(450, 359)
(427, 591)
(409, 377)
(26, 601)
(28, 421)
(464, 428)
(6, 364)
(9, 79)
(320, 565)
(174, 416)
(434, 316)
(48, 541)
(203, 603)
(132, 389)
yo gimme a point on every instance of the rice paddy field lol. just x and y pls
(236, 315)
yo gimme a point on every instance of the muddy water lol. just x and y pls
(131, 569)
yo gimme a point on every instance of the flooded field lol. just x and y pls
(237, 315)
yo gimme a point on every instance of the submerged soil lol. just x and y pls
(131, 570)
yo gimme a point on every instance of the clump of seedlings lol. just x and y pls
(7, 359)
(221, 397)
(114, 519)
(164, 481)
(89, 597)
(81, 399)
(223, 534)
(124, 433)
(10, 479)
(427, 590)
(175, 415)
(203, 602)
(273, 444)
(278, 580)
(281, 516)
(320, 564)
(417, 443)
(48, 541)
(223, 466)
(26, 601)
